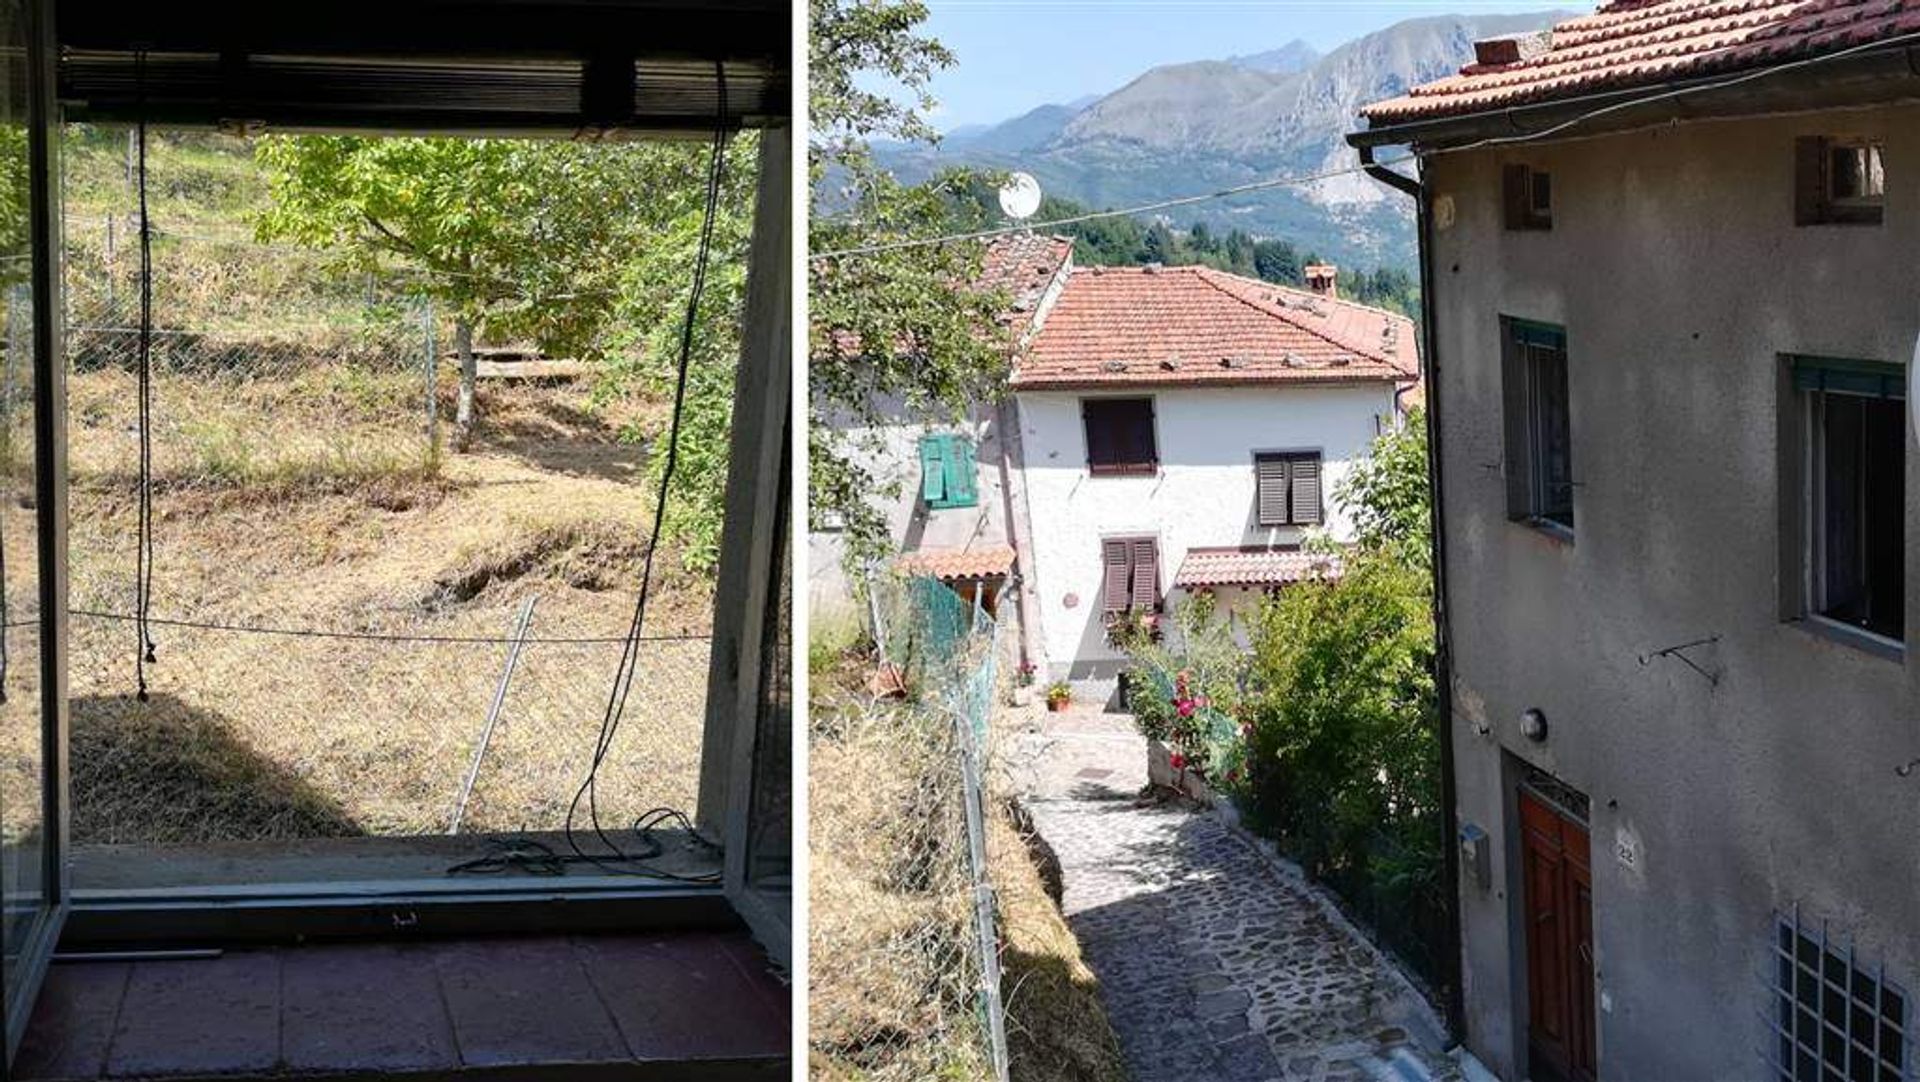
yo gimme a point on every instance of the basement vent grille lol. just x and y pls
(1834, 1019)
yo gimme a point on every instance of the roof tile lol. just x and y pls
(1131, 326)
(1262, 567)
(1632, 43)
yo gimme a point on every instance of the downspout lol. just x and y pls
(1454, 1005)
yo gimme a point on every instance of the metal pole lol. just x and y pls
(493, 712)
(433, 389)
(989, 943)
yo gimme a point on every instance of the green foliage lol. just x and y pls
(1389, 497)
(1343, 753)
(651, 314)
(587, 251)
(899, 326)
(524, 239)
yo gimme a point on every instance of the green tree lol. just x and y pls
(514, 237)
(1388, 495)
(895, 325)
(650, 312)
(1343, 751)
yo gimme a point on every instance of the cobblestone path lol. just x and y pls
(1214, 962)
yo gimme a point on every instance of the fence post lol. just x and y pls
(113, 302)
(989, 940)
(432, 369)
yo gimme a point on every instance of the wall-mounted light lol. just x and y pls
(1533, 725)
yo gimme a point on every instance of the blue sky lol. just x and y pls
(1018, 54)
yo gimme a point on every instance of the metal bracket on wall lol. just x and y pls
(1678, 652)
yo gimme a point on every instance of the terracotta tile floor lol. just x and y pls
(679, 1005)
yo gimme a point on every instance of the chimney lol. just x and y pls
(1511, 48)
(1323, 279)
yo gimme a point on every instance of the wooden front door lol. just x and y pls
(1558, 894)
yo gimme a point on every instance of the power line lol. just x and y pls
(1310, 178)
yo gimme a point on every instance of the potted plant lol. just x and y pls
(1023, 684)
(1059, 696)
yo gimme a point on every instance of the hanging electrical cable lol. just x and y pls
(615, 859)
(143, 543)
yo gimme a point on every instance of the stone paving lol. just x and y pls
(1215, 963)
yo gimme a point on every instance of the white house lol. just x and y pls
(940, 485)
(1182, 429)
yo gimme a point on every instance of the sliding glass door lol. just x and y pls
(32, 515)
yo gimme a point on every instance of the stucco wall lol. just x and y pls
(1203, 495)
(1675, 267)
(892, 453)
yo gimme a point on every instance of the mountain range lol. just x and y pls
(1188, 128)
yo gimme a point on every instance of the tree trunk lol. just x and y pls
(463, 413)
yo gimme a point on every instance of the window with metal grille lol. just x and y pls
(1528, 196)
(1853, 415)
(1130, 567)
(1838, 181)
(1288, 488)
(1120, 438)
(1539, 424)
(947, 471)
(1835, 1019)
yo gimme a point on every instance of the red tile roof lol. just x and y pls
(949, 564)
(1632, 43)
(1130, 326)
(1240, 567)
(1025, 265)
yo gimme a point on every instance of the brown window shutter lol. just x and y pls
(1809, 180)
(1271, 483)
(1306, 490)
(1518, 195)
(1146, 573)
(1117, 565)
(1100, 449)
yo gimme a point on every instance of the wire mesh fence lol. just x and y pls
(904, 963)
(335, 600)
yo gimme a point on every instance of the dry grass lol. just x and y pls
(894, 968)
(250, 736)
(894, 979)
(1057, 1028)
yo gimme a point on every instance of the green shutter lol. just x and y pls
(933, 469)
(947, 471)
(1874, 379)
(960, 473)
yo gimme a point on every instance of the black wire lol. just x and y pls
(616, 859)
(143, 545)
(534, 857)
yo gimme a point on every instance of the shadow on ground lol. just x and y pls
(164, 772)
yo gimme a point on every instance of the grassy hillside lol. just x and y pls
(296, 492)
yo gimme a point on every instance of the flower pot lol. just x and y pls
(1161, 772)
(1058, 706)
(1022, 696)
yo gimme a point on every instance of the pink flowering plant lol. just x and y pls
(1186, 689)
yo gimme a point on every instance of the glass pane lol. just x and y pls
(22, 754)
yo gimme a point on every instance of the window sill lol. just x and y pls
(1122, 475)
(1547, 528)
(1857, 638)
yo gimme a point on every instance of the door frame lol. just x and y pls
(50, 494)
(1571, 807)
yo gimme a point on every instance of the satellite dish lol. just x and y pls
(1020, 196)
